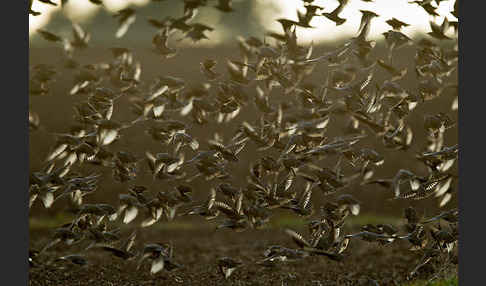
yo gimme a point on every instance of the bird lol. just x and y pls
(349, 202)
(161, 255)
(81, 37)
(48, 2)
(207, 68)
(126, 17)
(75, 259)
(438, 32)
(425, 4)
(396, 24)
(396, 40)
(49, 36)
(196, 32)
(365, 25)
(97, 2)
(276, 254)
(124, 251)
(297, 238)
(224, 6)
(160, 43)
(334, 15)
(394, 72)
(227, 266)
(303, 205)
(310, 13)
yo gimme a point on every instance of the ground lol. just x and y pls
(198, 247)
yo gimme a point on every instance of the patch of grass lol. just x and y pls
(49, 222)
(60, 219)
(283, 220)
(176, 225)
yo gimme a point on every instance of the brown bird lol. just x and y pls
(439, 32)
(161, 255)
(227, 266)
(160, 43)
(396, 24)
(394, 72)
(334, 15)
(425, 4)
(75, 259)
(49, 36)
(207, 68)
(80, 38)
(224, 6)
(126, 17)
(97, 2)
(196, 32)
(305, 18)
(365, 25)
(48, 2)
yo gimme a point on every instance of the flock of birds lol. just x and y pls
(290, 136)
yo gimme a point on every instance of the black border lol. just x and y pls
(471, 197)
(14, 210)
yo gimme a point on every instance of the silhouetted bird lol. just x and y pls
(334, 15)
(224, 6)
(396, 24)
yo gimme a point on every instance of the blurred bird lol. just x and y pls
(227, 266)
(310, 13)
(196, 32)
(97, 2)
(439, 32)
(75, 259)
(224, 6)
(365, 25)
(334, 15)
(425, 4)
(207, 68)
(396, 24)
(49, 36)
(126, 17)
(48, 2)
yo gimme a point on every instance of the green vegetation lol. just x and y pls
(39, 223)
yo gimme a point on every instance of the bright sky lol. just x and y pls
(324, 29)
(327, 30)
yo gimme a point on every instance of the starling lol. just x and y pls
(224, 6)
(227, 266)
(126, 17)
(396, 24)
(334, 15)
(439, 32)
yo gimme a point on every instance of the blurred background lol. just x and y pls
(250, 18)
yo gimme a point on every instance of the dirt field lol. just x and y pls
(198, 249)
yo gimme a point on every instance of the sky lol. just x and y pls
(267, 11)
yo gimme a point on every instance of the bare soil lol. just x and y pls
(198, 249)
